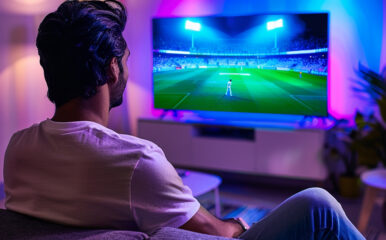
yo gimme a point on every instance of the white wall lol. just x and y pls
(22, 91)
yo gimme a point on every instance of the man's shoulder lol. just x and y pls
(107, 135)
(125, 140)
(85, 131)
(138, 141)
(25, 131)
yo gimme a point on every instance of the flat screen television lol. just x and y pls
(266, 63)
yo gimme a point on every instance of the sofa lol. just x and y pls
(15, 226)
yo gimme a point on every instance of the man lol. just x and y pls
(73, 170)
(229, 88)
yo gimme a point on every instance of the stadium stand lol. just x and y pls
(302, 55)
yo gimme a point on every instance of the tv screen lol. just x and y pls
(266, 63)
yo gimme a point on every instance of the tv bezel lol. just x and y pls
(247, 15)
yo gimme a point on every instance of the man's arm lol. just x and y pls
(204, 222)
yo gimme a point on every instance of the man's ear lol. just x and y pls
(113, 71)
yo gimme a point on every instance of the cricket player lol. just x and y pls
(229, 88)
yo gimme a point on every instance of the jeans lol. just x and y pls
(309, 214)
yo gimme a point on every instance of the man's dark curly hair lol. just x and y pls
(76, 44)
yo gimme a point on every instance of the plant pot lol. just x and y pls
(349, 186)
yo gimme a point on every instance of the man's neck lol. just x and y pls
(95, 109)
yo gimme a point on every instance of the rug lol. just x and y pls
(250, 214)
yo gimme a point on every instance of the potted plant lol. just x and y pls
(361, 144)
(371, 142)
(341, 158)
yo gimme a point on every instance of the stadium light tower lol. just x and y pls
(194, 27)
(272, 25)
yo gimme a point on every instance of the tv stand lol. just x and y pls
(294, 153)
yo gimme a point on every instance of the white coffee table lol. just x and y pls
(375, 181)
(201, 183)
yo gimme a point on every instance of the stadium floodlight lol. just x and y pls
(194, 26)
(274, 24)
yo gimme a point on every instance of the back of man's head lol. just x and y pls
(76, 44)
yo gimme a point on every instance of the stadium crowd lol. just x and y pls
(316, 63)
(238, 46)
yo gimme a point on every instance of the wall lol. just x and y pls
(357, 33)
(22, 91)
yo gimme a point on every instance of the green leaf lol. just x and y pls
(367, 157)
(382, 107)
(359, 120)
(371, 82)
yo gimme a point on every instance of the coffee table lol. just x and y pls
(375, 181)
(201, 183)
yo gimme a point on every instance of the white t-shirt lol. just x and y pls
(83, 174)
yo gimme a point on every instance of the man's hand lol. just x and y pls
(204, 222)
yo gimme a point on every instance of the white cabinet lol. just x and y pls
(281, 152)
(296, 153)
(223, 154)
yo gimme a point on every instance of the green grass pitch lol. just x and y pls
(266, 91)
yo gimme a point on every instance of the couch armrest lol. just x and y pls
(178, 234)
(15, 226)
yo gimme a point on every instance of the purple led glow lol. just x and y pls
(346, 47)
